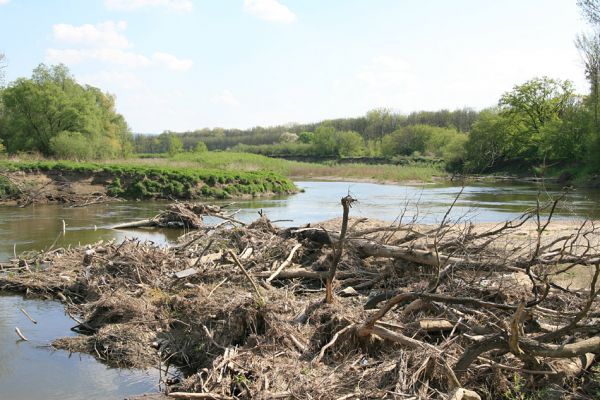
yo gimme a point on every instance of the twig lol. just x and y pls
(213, 396)
(21, 334)
(332, 342)
(284, 264)
(216, 287)
(28, 316)
(239, 264)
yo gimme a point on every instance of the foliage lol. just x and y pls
(538, 122)
(329, 142)
(37, 110)
(138, 181)
(371, 127)
(288, 137)
(71, 145)
(306, 137)
(200, 148)
(174, 144)
(425, 139)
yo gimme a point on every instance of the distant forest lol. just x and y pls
(373, 126)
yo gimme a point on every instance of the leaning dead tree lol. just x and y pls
(454, 310)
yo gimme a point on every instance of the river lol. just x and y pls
(31, 370)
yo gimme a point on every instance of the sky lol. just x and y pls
(187, 64)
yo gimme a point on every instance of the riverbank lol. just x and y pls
(241, 309)
(87, 183)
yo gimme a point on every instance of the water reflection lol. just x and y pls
(31, 370)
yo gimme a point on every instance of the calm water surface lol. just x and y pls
(32, 370)
(37, 228)
(28, 371)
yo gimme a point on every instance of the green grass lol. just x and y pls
(302, 170)
(141, 180)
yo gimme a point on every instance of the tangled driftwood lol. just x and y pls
(452, 311)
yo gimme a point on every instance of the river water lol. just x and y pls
(30, 370)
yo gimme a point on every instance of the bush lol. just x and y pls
(200, 148)
(71, 146)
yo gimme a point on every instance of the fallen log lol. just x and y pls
(143, 223)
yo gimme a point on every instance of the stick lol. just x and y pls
(239, 264)
(28, 316)
(20, 334)
(332, 342)
(216, 287)
(284, 264)
(337, 255)
(213, 396)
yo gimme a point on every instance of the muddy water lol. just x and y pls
(32, 370)
(37, 228)
(28, 371)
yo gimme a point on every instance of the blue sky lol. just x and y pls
(188, 64)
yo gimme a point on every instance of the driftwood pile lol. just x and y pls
(182, 216)
(348, 309)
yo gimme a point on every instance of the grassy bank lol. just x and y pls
(143, 180)
(228, 161)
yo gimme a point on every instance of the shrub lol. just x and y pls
(71, 146)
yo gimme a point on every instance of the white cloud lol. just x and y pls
(269, 10)
(112, 79)
(105, 55)
(3, 2)
(105, 43)
(171, 62)
(129, 5)
(386, 71)
(105, 34)
(117, 57)
(227, 98)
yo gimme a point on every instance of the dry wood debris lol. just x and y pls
(372, 311)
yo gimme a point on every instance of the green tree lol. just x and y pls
(200, 148)
(349, 143)
(174, 144)
(324, 141)
(488, 141)
(306, 137)
(531, 106)
(37, 110)
(407, 140)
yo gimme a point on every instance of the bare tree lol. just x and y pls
(589, 48)
(590, 10)
(2, 67)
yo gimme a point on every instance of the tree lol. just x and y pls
(590, 10)
(589, 48)
(380, 122)
(530, 107)
(174, 144)
(2, 67)
(488, 141)
(324, 140)
(38, 109)
(200, 147)
(406, 140)
(349, 143)
(538, 101)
